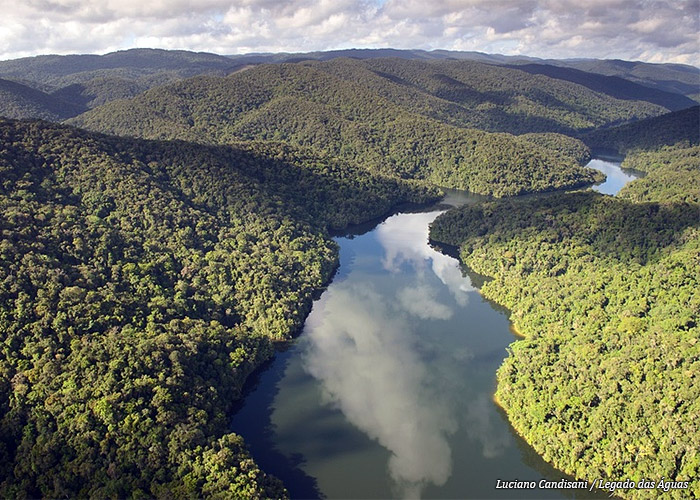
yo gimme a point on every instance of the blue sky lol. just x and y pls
(648, 30)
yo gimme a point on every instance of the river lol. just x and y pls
(616, 177)
(388, 390)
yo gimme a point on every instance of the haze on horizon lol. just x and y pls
(647, 30)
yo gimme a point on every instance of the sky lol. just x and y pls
(647, 30)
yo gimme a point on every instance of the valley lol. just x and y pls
(168, 220)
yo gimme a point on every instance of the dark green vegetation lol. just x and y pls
(140, 283)
(666, 147)
(408, 118)
(92, 80)
(681, 128)
(613, 86)
(143, 280)
(674, 175)
(87, 81)
(56, 72)
(677, 78)
(607, 294)
(460, 93)
(20, 101)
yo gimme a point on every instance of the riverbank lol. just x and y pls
(589, 308)
(386, 345)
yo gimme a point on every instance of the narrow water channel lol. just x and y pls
(616, 177)
(388, 391)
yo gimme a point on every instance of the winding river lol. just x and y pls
(388, 391)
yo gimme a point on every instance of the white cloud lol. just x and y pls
(654, 30)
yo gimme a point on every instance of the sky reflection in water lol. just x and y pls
(616, 177)
(380, 362)
(388, 392)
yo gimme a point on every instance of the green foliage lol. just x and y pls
(680, 128)
(621, 88)
(565, 147)
(666, 147)
(675, 78)
(20, 101)
(674, 175)
(493, 98)
(356, 111)
(607, 293)
(140, 283)
(56, 71)
(102, 89)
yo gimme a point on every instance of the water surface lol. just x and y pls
(616, 177)
(388, 391)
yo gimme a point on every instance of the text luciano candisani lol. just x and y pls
(562, 484)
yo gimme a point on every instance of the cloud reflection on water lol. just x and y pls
(399, 235)
(364, 351)
(370, 355)
(421, 301)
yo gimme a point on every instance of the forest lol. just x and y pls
(606, 292)
(141, 282)
(347, 110)
(144, 275)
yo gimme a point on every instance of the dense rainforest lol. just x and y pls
(21, 101)
(96, 79)
(370, 113)
(665, 147)
(606, 292)
(455, 123)
(142, 278)
(140, 283)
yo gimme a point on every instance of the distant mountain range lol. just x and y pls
(67, 85)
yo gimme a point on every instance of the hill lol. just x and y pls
(606, 291)
(92, 80)
(670, 78)
(20, 101)
(60, 71)
(680, 127)
(140, 283)
(676, 78)
(613, 86)
(101, 90)
(409, 118)
(489, 97)
(460, 93)
(86, 81)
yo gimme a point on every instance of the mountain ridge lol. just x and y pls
(91, 80)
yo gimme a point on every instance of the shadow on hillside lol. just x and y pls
(613, 86)
(286, 182)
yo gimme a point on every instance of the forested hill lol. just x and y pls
(462, 93)
(405, 118)
(92, 80)
(606, 291)
(667, 148)
(20, 101)
(613, 86)
(54, 71)
(680, 127)
(674, 78)
(677, 78)
(140, 283)
(85, 81)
